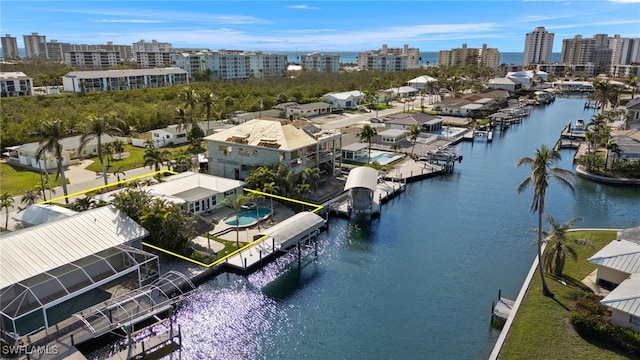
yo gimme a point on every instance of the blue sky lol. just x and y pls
(318, 25)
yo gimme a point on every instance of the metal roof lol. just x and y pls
(621, 255)
(191, 184)
(35, 250)
(289, 231)
(37, 214)
(625, 297)
(363, 177)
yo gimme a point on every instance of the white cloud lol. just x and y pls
(131, 21)
(303, 7)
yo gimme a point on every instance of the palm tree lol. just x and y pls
(542, 170)
(191, 98)
(182, 161)
(52, 132)
(367, 133)
(118, 147)
(557, 249)
(311, 176)
(209, 100)
(632, 83)
(414, 133)
(236, 204)
(30, 196)
(96, 128)
(602, 93)
(271, 188)
(155, 157)
(6, 202)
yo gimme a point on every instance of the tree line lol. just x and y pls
(146, 109)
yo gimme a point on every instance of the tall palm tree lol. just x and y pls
(6, 202)
(367, 133)
(96, 128)
(52, 132)
(632, 83)
(209, 101)
(236, 204)
(271, 188)
(542, 170)
(155, 157)
(602, 93)
(557, 249)
(414, 133)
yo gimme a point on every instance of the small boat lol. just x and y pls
(579, 125)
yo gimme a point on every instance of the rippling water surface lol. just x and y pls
(415, 283)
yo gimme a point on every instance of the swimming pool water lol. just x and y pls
(247, 217)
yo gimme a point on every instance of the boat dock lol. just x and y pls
(501, 309)
(384, 191)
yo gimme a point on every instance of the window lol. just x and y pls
(214, 200)
(168, 136)
(230, 192)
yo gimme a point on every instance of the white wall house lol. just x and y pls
(505, 83)
(197, 192)
(169, 136)
(624, 302)
(345, 100)
(234, 151)
(26, 154)
(421, 82)
(294, 110)
(15, 84)
(615, 262)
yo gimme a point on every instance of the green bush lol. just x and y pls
(588, 319)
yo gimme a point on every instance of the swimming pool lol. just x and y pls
(247, 217)
(450, 132)
(383, 158)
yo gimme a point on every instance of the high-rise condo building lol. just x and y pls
(464, 56)
(35, 45)
(10, 47)
(320, 62)
(390, 59)
(538, 46)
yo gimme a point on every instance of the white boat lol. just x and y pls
(579, 125)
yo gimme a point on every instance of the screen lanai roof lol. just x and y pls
(37, 214)
(35, 250)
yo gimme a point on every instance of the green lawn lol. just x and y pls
(15, 179)
(541, 329)
(134, 160)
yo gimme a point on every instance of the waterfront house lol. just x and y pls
(233, 152)
(355, 151)
(48, 272)
(15, 84)
(392, 136)
(615, 262)
(196, 192)
(624, 302)
(403, 121)
(344, 100)
(505, 83)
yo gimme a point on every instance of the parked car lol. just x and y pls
(362, 108)
(376, 120)
(337, 111)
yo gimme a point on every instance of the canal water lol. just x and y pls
(417, 282)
